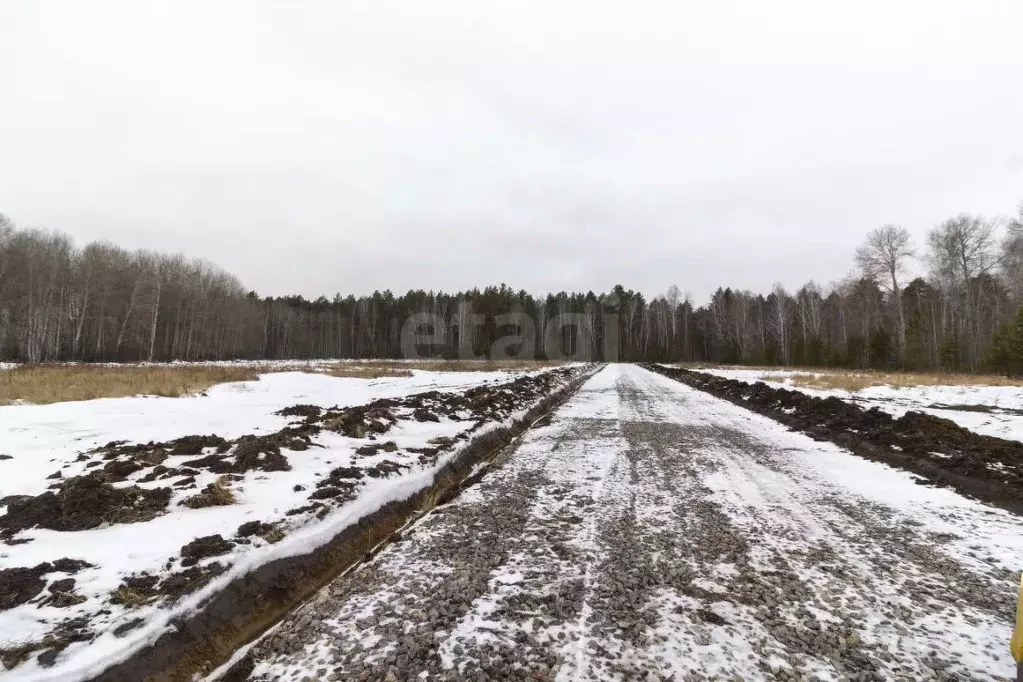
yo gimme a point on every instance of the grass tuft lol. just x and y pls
(857, 381)
(273, 536)
(129, 598)
(366, 371)
(216, 494)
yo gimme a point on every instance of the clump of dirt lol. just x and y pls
(203, 548)
(157, 471)
(216, 494)
(194, 445)
(305, 509)
(264, 452)
(125, 628)
(268, 531)
(151, 454)
(375, 448)
(339, 485)
(339, 493)
(251, 453)
(144, 588)
(385, 469)
(421, 414)
(344, 473)
(361, 421)
(70, 566)
(62, 594)
(82, 503)
(250, 528)
(218, 464)
(20, 585)
(13, 656)
(176, 585)
(306, 411)
(937, 449)
(120, 469)
(135, 591)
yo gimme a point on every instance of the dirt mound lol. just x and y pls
(216, 494)
(250, 528)
(203, 548)
(307, 411)
(194, 445)
(144, 588)
(81, 503)
(937, 449)
(62, 594)
(176, 585)
(71, 566)
(19, 585)
(264, 452)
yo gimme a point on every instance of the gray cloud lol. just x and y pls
(315, 147)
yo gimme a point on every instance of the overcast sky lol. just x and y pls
(313, 147)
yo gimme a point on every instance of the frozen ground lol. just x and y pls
(42, 438)
(988, 410)
(651, 531)
(289, 507)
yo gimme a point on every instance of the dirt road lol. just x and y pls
(650, 531)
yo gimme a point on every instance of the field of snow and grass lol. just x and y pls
(120, 515)
(42, 384)
(988, 410)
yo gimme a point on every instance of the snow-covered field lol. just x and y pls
(997, 410)
(44, 437)
(296, 489)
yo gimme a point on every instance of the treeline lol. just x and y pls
(103, 303)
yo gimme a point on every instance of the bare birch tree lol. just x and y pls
(882, 258)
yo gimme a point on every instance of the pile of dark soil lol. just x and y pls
(144, 588)
(20, 585)
(204, 547)
(62, 594)
(939, 450)
(302, 410)
(81, 503)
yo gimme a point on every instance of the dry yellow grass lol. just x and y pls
(510, 365)
(383, 369)
(44, 384)
(856, 381)
(366, 371)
